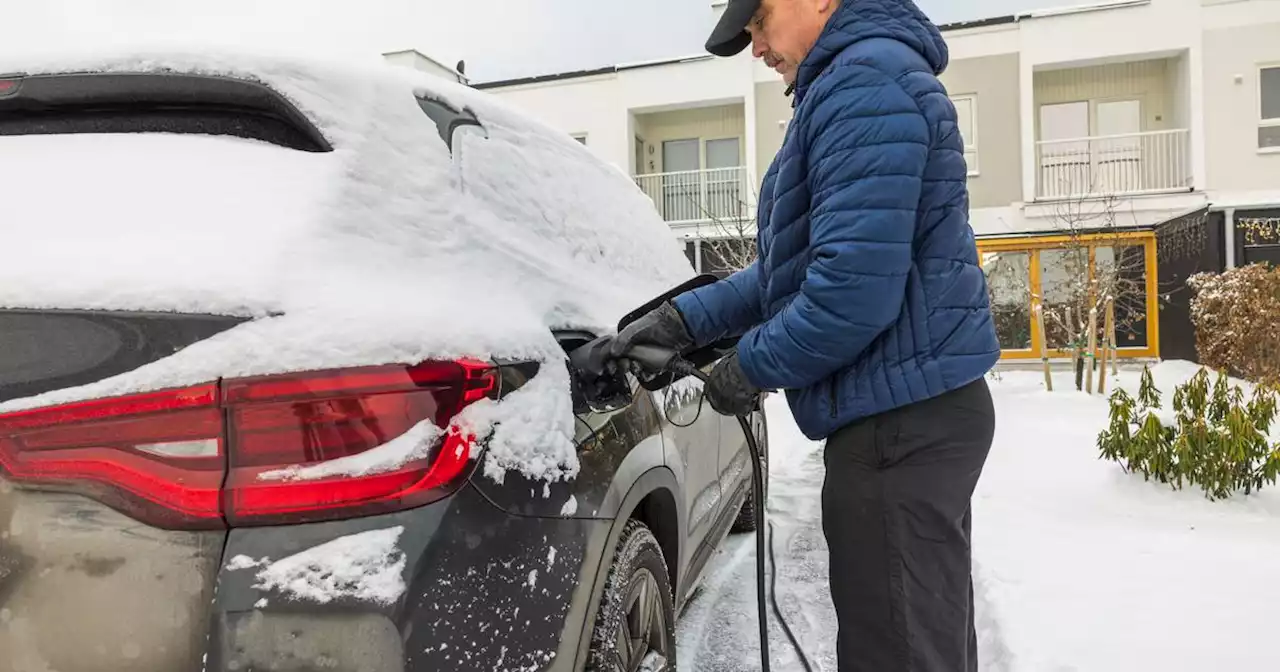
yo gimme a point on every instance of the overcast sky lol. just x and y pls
(498, 38)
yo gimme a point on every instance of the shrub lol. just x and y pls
(1236, 314)
(1216, 440)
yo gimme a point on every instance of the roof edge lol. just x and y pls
(1005, 19)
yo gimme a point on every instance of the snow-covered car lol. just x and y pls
(283, 380)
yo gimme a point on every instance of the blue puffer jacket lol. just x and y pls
(866, 294)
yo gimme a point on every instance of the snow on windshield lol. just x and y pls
(388, 249)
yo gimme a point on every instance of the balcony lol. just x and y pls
(1111, 129)
(718, 196)
(1128, 164)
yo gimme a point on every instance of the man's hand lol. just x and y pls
(729, 392)
(663, 327)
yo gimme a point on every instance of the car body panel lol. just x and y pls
(693, 429)
(484, 590)
(84, 588)
(504, 573)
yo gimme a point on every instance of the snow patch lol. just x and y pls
(365, 566)
(245, 562)
(531, 430)
(570, 507)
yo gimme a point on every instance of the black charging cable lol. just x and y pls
(675, 364)
(595, 357)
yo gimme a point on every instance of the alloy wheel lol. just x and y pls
(641, 642)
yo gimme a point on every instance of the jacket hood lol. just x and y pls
(857, 20)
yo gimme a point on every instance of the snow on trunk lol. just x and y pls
(367, 566)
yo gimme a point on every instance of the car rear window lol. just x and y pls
(153, 103)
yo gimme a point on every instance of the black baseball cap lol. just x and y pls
(730, 34)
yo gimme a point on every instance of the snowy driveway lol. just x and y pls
(1078, 566)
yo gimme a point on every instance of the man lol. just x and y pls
(867, 305)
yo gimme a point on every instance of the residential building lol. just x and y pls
(1094, 136)
(412, 58)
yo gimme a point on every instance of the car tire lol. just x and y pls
(637, 615)
(746, 521)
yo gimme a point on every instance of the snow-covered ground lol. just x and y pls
(1078, 566)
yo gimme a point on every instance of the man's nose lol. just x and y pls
(758, 46)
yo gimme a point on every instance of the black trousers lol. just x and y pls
(896, 515)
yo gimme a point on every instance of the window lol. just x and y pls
(1066, 278)
(1009, 291)
(1269, 108)
(967, 121)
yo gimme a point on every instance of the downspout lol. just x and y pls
(1229, 236)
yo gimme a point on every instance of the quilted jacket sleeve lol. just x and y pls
(867, 145)
(726, 308)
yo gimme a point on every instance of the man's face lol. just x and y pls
(783, 32)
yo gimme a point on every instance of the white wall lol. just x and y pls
(418, 61)
(1239, 37)
(603, 106)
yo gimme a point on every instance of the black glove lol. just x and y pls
(663, 327)
(729, 392)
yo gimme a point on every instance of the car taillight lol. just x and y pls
(256, 451)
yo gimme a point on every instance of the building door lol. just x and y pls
(1063, 150)
(724, 180)
(681, 188)
(1118, 160)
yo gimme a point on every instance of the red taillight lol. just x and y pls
(156, 456)
(275, 449)
(8, 87)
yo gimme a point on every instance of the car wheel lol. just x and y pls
(635, 628)
(746, 521)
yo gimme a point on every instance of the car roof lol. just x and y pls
(392, 246)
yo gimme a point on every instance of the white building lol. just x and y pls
(412, 58)
(1135, 112)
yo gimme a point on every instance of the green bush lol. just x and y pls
(1218, 441)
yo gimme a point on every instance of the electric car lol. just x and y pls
(284, 380)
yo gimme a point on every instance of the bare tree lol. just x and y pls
(727, 231)
(730, 242)
(1096, 263)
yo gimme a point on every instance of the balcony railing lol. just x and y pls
(1130, 164)
(692, 196)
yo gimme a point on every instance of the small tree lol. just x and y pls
(728, 231)
(731, 242)
(1096, 263)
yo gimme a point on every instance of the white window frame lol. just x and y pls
(1262, 122)
(970, 139)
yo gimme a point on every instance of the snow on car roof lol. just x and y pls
(387, 249)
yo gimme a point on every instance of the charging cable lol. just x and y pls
(661, 359)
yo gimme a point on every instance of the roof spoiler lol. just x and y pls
(153, 102)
